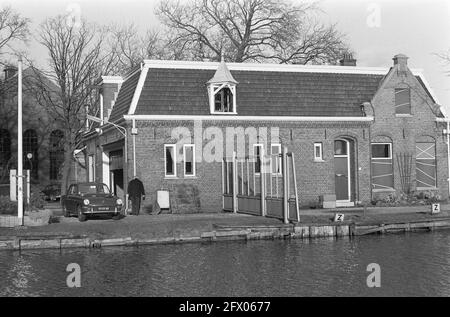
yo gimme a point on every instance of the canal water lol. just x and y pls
(416, 264)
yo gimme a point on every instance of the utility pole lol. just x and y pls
(20, 145)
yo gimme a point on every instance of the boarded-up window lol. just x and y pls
(425, 165)
(402, 101)
(382, 173)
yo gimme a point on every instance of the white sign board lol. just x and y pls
(13, 185)
(435, 208)
(338, 217)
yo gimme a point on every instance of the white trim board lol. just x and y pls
(137, 92)
(244, 118)
(264, 67)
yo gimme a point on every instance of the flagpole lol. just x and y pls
(20, 145)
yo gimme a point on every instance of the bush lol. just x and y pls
(402, 199)
(36, 201)
(8, 207)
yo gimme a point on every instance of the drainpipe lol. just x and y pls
(134, 132)
(447, 133)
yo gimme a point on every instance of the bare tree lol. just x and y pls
(13, 28)
(250, 30)
(130, 47)
(77, 58)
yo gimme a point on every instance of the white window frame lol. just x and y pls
(174, 146)
(213, 90)
(193, 160)
(277, 159)
(255, 157)
(320, 157)
(382, 158)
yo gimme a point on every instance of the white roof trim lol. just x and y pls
(430, 90)
(271, 67)
(112, 79)
(137, 92)
(244, 118)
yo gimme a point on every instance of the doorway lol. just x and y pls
(342, 172)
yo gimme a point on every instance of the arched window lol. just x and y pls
(5, 147)
(223, 100)
(30, 148)
(56, 153)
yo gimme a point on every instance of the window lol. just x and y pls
(189, 159)
(170, 160)
(73, 190)
(402, 101)
(425, 165)
(318, 156)
(276, 159)
(382, 167)
(30, 146)
(381, 151)
(5, 148)
(340, 147)
(223, 100)
(257, 149)
(56, 153)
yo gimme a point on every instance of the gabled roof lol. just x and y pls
(180, 88)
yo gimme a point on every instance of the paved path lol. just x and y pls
(168, 225)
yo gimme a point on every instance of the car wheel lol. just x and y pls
(117, 217)
(66, 213)
(81, 216)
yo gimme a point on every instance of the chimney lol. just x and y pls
(347, 60)
(402, 61)
(10, 71)
(110, 86)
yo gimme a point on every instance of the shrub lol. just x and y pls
(36, 201)
(7, 207)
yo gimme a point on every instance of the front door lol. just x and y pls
(342, 170)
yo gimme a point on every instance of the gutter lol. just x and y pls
(244, 118)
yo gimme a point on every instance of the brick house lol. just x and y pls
(42, 134)
(357, 133)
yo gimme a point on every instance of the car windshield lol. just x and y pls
(93, 189)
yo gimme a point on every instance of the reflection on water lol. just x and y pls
(411, 265)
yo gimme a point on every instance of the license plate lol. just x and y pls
(103, 208)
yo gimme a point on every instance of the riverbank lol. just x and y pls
(167, 228)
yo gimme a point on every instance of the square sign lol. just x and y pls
(338, 217)
(435, 208)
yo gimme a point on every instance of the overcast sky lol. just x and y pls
(376, 30)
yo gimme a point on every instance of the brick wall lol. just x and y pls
(203, 193)
(405, 131)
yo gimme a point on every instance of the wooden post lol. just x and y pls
(297, 208)
(285, 187)
(235, 207)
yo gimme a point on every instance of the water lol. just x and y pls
(411, 265)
